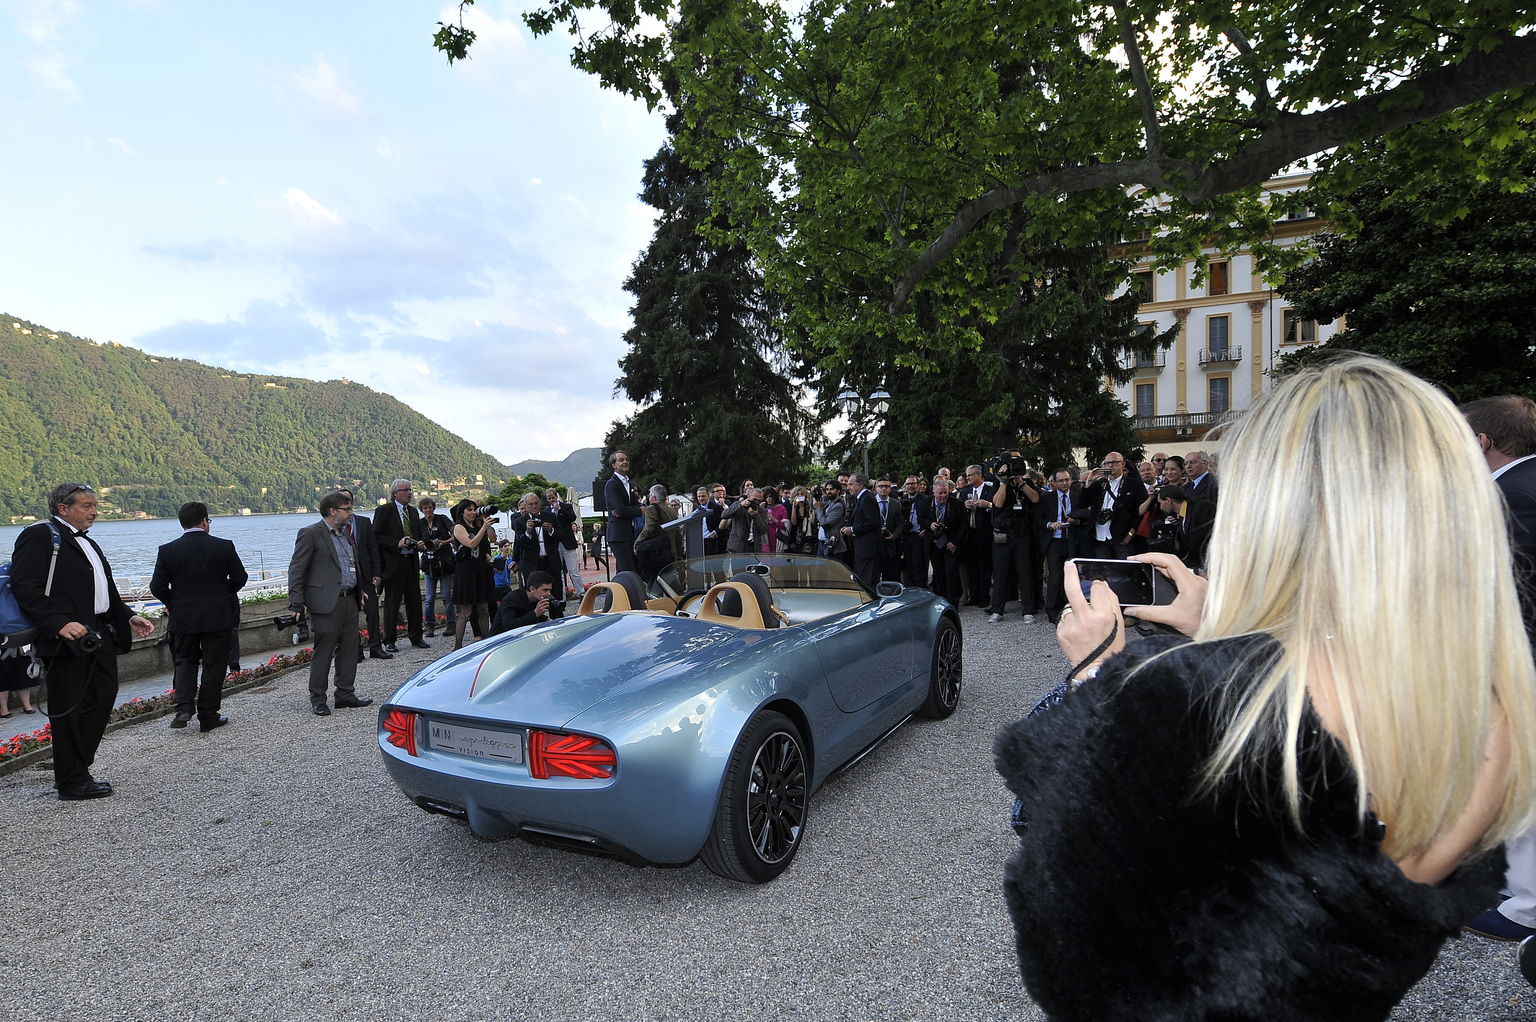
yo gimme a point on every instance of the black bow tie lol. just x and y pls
(81, 532)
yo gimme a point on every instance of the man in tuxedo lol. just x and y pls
(1201, 483)
(1061, 535)
(946, 534)
(198, 578)
(892, 525)
(565, 517)
(1506, 431)
(623, 501)
(67, 589)
(917, 507)
(323, 584)
(527, 606)
(398, 534)
(437, 565)
(976, 496)
(864, 529)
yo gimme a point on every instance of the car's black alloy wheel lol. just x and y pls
(944, 681)
(763, 804)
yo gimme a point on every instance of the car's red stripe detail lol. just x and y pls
(552, 754)
(402, 730)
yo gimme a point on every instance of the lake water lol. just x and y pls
(263, 541)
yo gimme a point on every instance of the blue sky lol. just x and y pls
(309, 189)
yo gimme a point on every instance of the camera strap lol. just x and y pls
(1114, 631)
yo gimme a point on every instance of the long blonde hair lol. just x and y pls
(1360, 526)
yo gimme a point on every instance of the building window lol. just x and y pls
(1146, 400)
(1218, 279)
(1217, 333)
(1296, 330)
(1142, 287)
(1219, 393)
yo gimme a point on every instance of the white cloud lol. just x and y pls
(42, 21)
(534, 181)
(323, 84)
(307, 210)
(120, 144)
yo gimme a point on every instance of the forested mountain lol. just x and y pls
(578, 469)
(153, 432)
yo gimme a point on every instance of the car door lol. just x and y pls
(867, 652)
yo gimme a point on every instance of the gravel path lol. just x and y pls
(271, 870)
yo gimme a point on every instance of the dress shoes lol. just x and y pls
(429, 633)
(354, 701)
(381, 654)
(209, 725)
(391, 648)
(181, 720)
(359, 656)
(421, 644)
(1495, 925)
(84, 790)
(322, 710)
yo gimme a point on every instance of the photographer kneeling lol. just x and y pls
(528, 605)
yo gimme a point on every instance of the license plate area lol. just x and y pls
(475, 742)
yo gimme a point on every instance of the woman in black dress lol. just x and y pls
(473, 576)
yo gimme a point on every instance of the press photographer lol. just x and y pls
(529, 605)
(1013, 541)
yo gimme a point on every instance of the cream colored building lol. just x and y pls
(1232, 329)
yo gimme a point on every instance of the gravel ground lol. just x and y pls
(271, 870)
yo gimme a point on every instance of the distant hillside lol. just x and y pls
(157, 432)
(578, 469)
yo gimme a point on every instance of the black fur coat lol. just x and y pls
(1130, 902)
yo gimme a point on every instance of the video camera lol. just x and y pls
(1003, 463)
(287, 621)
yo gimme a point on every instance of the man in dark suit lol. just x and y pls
(624, 508)
(369, 575)
(68, 591)
(1506, 431)
(1201, 483)
(946, 535)
(1110, 506)
(437, 565)
(715, 531)
(565, 517)
(527, 606)
(198, 578)
(534, 548)
(398, 534)
(976, 496)
(864, 529)
(892, 525)
(917, 508)
(323, 582)
(1062, 535)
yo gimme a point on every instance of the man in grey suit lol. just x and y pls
(749, 523)
(323, 581)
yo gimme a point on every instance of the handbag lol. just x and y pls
(653, 544)
(1000, 537)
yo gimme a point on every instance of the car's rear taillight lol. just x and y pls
(401, 727)
(552, 754)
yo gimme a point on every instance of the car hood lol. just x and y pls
(548, 674)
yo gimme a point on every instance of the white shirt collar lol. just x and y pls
(1512, 464)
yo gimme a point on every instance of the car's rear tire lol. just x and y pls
(764, 803)
(944, 677)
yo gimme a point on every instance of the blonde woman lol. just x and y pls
(1286, 817)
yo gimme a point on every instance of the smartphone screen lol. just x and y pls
(1134, 584)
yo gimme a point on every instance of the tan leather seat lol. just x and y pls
(618, 601)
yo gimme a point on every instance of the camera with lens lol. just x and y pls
(287, 621)
(1003, 463)
(85, 645)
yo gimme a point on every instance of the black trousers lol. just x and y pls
(890, 564)
(371, 614)
(81, 693)
(188, 651)
(623, 555)
(404, 585)
(868, 569)
(1013, 571)
(946, 572)
(234, 648)
(915, 554)
(1055, 565)
(978, 564)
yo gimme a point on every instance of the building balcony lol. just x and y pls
(1136, 363)
(1215, 356)
(1189, 424)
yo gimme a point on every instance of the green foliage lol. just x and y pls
(158, 432)
(1440, 279)
(705, 359)
(520, 486)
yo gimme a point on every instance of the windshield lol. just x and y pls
(785, 571)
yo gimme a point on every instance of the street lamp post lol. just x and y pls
(863, 412)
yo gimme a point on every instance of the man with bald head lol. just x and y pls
(1110, 506)
(1202, 484)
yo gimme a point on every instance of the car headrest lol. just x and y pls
(634, 588)
(729, 603)
(732, 603)
(606, 598)
(759, 587)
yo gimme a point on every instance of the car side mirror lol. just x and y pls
(889, 588)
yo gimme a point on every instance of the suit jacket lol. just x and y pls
(1076, 530)
(198, 578)
(1133, 492)
(516, 611)
(744, 521)
(314, 574)
(955, 528)
(867, 541)
(1199, 519)
(830, 518)
(1205, 491)
(525, 545)
(564, 518)
(978, 520)
(388, 532)
(623, 508)
(924, 504)
(73, 596)
(1518, 484)
(894, 522)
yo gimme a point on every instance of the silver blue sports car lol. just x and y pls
(691, 720)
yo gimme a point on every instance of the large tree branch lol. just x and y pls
(1290, 138)
(1143, 86)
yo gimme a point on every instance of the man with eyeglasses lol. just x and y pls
(1202, 484)
(1062, 535)
(917, 508)
(1113, 501)
(325, 583)
(893, 525)
(63, 582)
(198, 577)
